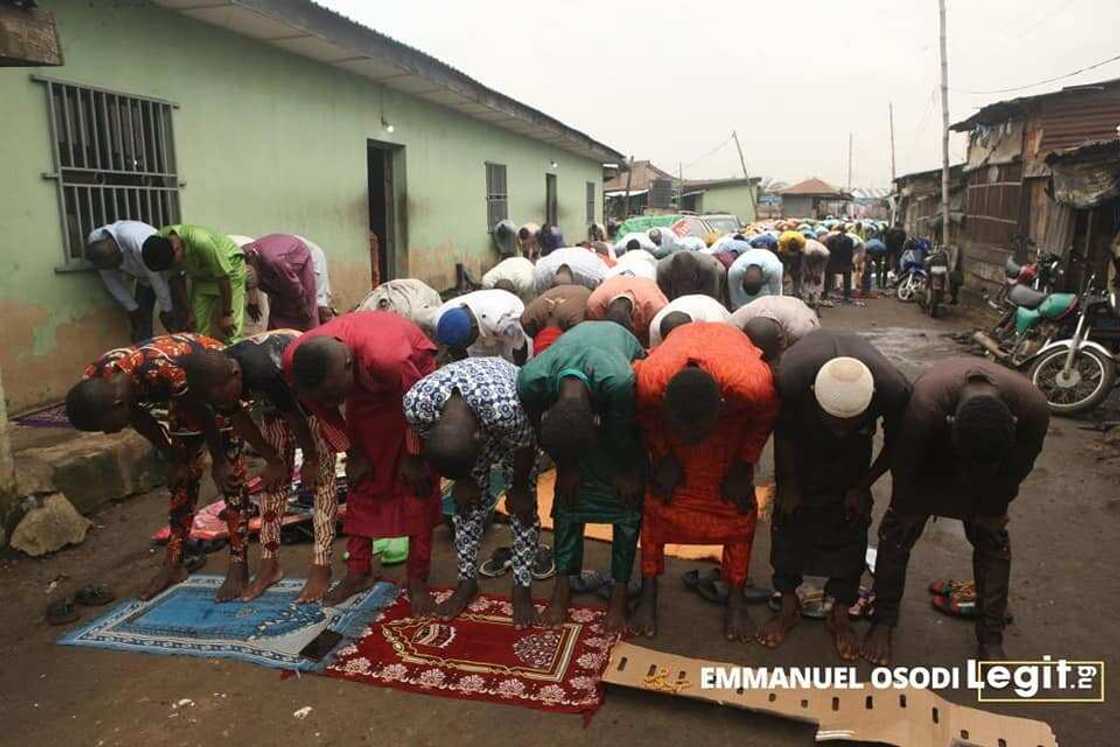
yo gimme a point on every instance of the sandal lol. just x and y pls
(61, 612)
(544, 566)
(193, 562)
(756, 594)
(587, 582)
(946, 587)
(497, 564)
(94, 595)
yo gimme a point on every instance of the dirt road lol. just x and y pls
(1064, 533)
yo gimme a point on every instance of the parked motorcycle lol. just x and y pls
(1078, 374)
(912, 274)
(1031, 320)
(1043, 274)
(931, 295)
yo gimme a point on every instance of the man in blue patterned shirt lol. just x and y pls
(470, 420)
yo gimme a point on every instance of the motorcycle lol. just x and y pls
(1078, 373)
(1031, 320)
(931, 296)
(912, 273)
(1044, 274)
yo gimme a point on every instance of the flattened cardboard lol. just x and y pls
(908, 717)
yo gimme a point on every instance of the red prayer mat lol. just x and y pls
(480, 656)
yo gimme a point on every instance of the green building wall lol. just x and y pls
(266, 141)
(731, 198)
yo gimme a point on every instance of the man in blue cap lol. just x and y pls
(484, 323)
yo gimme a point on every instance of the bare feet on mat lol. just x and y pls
(643, 620)
(557, 612)
(877, 645)
(168, 575)
(454, 605)
(318, 581)
(847, 643)
(775, 630)
(351, 584)
(420, 599)
(524, 612)
(616, 609)
(737, 622)
(268, 573)
(237, 578)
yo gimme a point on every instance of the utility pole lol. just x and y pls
(945, 139)
(626, 199)
(890, 111)
(743, 163)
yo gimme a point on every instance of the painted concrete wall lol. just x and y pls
(266, 141)
(732, 198)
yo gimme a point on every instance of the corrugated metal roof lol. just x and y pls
(812, 186)
(1085, 116)
(1009, 108)
(310, 30)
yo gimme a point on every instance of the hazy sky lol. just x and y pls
(669, 81)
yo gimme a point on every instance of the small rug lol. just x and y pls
(546, 484)
(481, 656)
(269, 631)
(50, 417)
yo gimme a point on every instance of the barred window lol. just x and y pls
(114, 159)
(590, 203)
(497, 196)
(551, 209)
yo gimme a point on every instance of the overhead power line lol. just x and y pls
(1048, 80)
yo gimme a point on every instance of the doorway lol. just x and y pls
(384, 171)
(550, 211)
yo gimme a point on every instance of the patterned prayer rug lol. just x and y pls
(50, 417)
(269, 631)
(480, 656)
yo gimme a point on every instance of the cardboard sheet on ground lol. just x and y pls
(546, 484)
(907, 717)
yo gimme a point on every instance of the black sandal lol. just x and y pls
(61, 612)
(94, 595)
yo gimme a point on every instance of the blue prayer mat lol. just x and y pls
(270, 631)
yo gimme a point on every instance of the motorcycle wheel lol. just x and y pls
(934, 304)
(1090, 381)
(905, 290)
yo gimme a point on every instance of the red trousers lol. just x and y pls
(360, 550)
(663, 524)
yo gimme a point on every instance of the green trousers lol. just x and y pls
(206, 302)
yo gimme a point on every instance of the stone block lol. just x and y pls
(50, 526)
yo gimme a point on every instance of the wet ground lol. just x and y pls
(1064, 534)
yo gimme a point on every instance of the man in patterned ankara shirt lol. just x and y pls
(118, 390)
(470, 420)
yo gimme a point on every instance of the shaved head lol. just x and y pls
(620, 312)
(692, 404)
(453, 444)
(323, 368)
(671, 321)
(766, 334)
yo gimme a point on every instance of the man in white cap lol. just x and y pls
(834, 388)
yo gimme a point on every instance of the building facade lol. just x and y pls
(250, 117)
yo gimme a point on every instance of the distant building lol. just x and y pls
(739, 197)
(654, 190)
(918, 203)
(1046, 167)
(813, 198)
(639, 180)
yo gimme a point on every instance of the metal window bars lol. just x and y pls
(497, 195)
(114, 159)
(590, 203)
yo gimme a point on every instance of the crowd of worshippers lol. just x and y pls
(651, 385)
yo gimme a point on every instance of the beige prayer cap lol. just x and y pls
(844, 387)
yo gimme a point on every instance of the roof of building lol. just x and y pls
(954, 170)
(304, 28)
(641, 174)
(813, 187)
(1001, 111)
(702, 184)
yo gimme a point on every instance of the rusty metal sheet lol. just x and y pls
(1078, 117)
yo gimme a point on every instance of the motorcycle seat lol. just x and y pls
(1026, 297)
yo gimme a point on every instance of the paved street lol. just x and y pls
(1063, 530)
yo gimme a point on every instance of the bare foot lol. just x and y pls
(351, 584)
(168, 575)
(616, 609)
(990, 652)
(420, 599)
(643, 621)
(454, 605)
(737, 622)
(268, 574)
(237, 578)
(318, 581)
(847, 644)
(524, 611)
(877, 645)
(557, 612)
(778, 627)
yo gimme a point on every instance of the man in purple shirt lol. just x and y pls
(286, 272)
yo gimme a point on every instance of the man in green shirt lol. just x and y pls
(580, 396)
(216, 268)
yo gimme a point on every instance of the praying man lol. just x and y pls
(553, 313)
(580, 395)
(706, 404)
(367, 361)
(118, 391)
(286, 272)
(631, 302)
(835, 387)
(483, 323)
(249, 373)
(775, 323)
(116, 251)
(754, 273)
(469, 421)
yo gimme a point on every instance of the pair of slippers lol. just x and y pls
(815, 604)
(63, 611)
(711, 586)
(957, 599)
(598, 583)
(501, 562)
